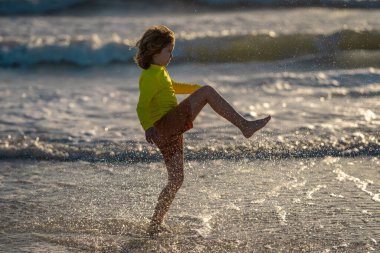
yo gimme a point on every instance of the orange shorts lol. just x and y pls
(170, 129)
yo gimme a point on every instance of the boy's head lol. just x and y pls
(153, 41)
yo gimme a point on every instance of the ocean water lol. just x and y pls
(77, 175)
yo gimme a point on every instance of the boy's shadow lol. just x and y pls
(147, 244)
(135, 245)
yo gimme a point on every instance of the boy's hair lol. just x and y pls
(152, 42)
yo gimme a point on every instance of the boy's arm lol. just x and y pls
(184, 88)
(148, 90)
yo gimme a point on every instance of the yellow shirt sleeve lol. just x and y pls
(148, 89)
(184, 88)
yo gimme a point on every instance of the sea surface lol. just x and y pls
(76, 174)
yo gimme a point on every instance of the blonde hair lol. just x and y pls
(152, 42)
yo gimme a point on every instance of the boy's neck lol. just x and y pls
(156, 66)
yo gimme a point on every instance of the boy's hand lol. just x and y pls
(151, 135)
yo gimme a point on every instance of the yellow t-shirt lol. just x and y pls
(157, 94)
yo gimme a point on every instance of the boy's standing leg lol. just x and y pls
(174, 164)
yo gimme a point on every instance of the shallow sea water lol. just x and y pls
(78, 176)
(303, 205)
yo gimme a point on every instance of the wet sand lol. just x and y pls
(302, 205)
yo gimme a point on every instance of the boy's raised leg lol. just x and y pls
(208, 95)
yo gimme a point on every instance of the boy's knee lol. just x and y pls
(177, 181)
(208, 89)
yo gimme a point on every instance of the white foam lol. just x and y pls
(296, 200)
(369, 115)
(360, 184)
(330, 160)
(233, 207)
(376, 197)
(281, 213)
(258, 201)
(205, 230)
(336, 195)
(310, 193)
(287, 185)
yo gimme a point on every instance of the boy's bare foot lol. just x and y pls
(254, 126)
(155, 229)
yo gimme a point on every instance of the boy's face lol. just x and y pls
(163, 58)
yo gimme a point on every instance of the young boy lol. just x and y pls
(165, 121)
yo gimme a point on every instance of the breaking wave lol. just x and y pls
(17, 7)
(12, 7)
(203, 47)
(274, 3)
